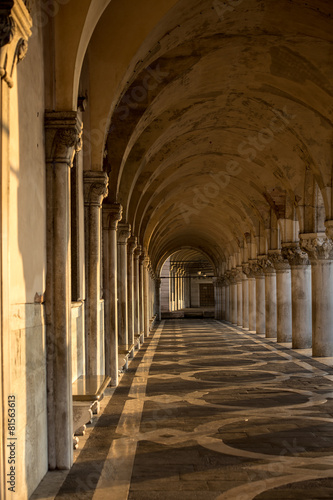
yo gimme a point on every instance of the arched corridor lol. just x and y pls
(247, 419)
(161, 161)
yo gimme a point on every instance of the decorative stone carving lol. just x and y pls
(279, 261)
(132, 244)
(112, 214)
(124, 232)
(239, 274)
(231, 276)
(95, 187)
(295, 255)
(247, 270)
(317, 245)
(137, 252)
(266, 264)
(63, 131)
(256, 268)
(15, 30)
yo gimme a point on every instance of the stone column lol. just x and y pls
(223, 288)
(300, 295)
(158, 282)
(283, 296)
(137, 308)
(141, 295)
(233, 297)
(216, 298)
(270, 297)
(95, 190)
(112, 213)
(63, 131)
(239, 281)
(131, 246)
(252, 294)
(320, 250)
(245, 289)
(227, 298)
(124, 232)
(146, 317)
(260, 298)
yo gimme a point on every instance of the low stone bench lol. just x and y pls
(138, 340)
(87, 392)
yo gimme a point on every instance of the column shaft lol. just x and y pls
(124, 232)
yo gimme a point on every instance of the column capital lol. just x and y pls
(279, 261)
(295, 255)
(239, 274)
(63, 131)
(256, 268)
(265, 262)
(15, 30)
(247, 270)
(137, 252)
(95, 185)
(317, 245)
(132, 244)
(231, 276)
(124, 232)
(112, 214)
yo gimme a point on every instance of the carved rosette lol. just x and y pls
(317, 245)
(63, 131)
(295, 255)
(95, 188)
(137, 252)
(112, 214)
(124, 232)
(279, 261)
(132, 244)
(15, 30)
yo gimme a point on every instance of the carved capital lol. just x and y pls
(231, 276)
(63, 131)
(132, 244)
(124, 232)
(95, 187)
(112, 214)
(317, 245)
(137, 252)
(15, 30)
(295, 255)
(247, 270)
(279, 261)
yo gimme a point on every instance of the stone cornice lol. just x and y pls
(295, 255)
(317, 245)
(124, 232)
(95, 187)
(63, 131)
(15, 30)
(112, 214)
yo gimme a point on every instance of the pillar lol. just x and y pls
(124, 232)
(63, 131)
(141, 294)
(223, 287)
(245, 290)
(270, 297)
(131, 246)
(15, 30)
(283, 297)
(227, 298)
(146, 317)
(300, 296)
(260, 298)
(320, 250)
(95, 190)
(239, 281)
(112, 213)
(137, 329)
(233, 297)
(158, 282)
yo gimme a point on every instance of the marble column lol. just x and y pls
(131, 246)
(320, 251)
(283, 296)
(62, 134)
(124, 232)
(239, 281)
(300, 295)
(233, 297)
(270, 297)
(141, 295)
(260, 298)
(223, 288)
(245, 290)
(216, 298)
(95, 190)
(137, 305)
(112, 214)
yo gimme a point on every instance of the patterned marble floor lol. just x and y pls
(208, 411)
